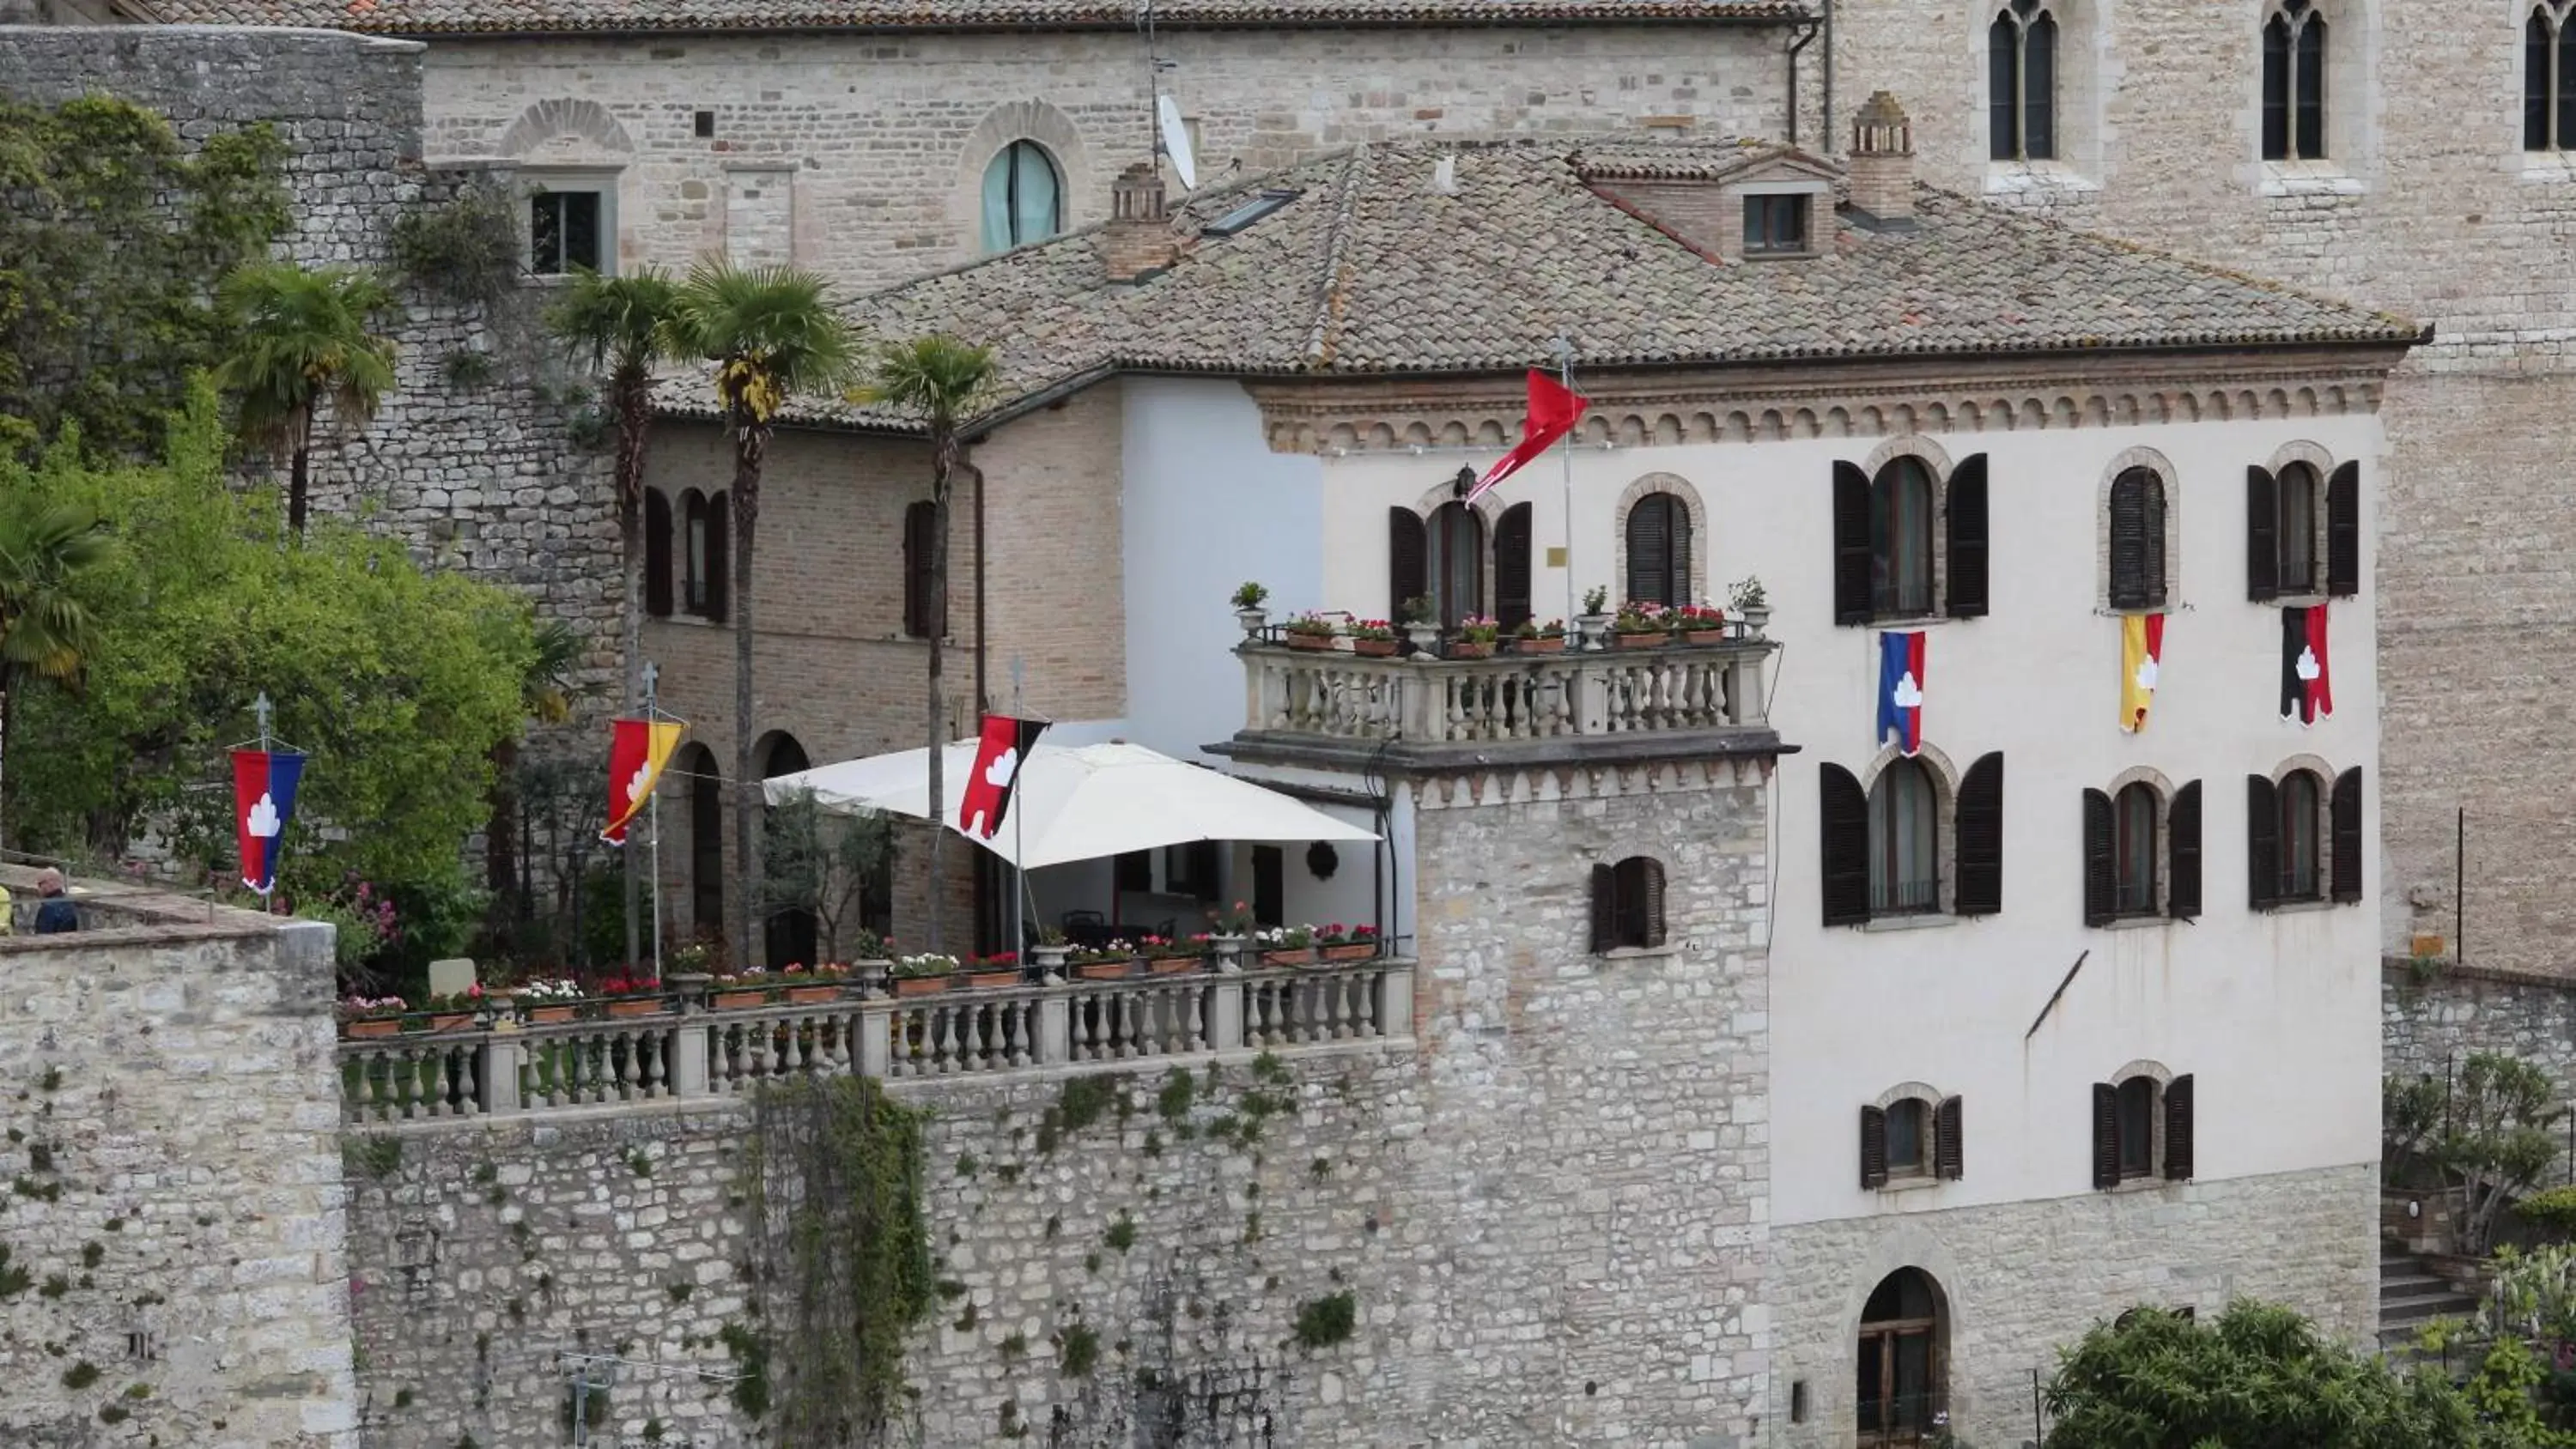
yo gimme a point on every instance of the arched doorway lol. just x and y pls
(1902, 1348)
(697, 766)
(788, 935)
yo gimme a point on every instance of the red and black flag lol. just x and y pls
(2307, 680)
(1004, 747)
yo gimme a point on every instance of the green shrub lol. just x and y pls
(2552, 1214)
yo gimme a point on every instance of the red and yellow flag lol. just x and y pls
(637, 751)
(2142, 652)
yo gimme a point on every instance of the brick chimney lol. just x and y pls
(1882, 160)
(1138, 238)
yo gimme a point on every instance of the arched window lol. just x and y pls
(2142, 1128)
(2301, 812)
(2137, 1126)
(1659, 550)
(697, 766)
(789, 934)
(2297, 521)
(2141, 853)
(1628, 904)
(2302, 838)
(1909, 1138)
(2294, 83)
(2549, 79)
(1911, 1134)
(1900, 528)
(657, 553)
(2021, 83)
(1904, 869)
(1455, 562)
(2133, 850)
(1023, 197)
(2137, 540)
(1900, 1388)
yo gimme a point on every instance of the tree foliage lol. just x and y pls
(398, 682)
(2496, 1139)
(2256, 1377)
(825, 863)
(111, 236)
(301, 342)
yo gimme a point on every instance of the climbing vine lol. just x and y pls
(836, 1183)
(466, 250)
(112, 236)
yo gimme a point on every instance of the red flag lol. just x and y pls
(1553, 411)
(637, 751)
(1005, 745)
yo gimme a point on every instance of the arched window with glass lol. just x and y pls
(2021, 82)
(1901, 539)
(1900, 1362)
(1023, 197)
(2294, 82)
(2549, 78)
(1904, 860)
(2137, 540)
(1454, 557)
(1659, 550)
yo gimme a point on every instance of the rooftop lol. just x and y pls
(1369, 268)
(552, 17)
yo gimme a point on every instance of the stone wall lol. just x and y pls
(2433, 1022)
(2022, 1280)
(2429, 208)
(171, 1247)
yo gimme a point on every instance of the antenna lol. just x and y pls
(1164, 133)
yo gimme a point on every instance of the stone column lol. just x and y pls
(876, 1036)
(498, 1075)
(687, 1063)
(1395, 999)
(1225, 1001)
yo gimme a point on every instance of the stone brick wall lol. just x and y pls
(173, 1236)
(2432, 1024)
(2430, 209)
(2021, 1280)
(887, 136)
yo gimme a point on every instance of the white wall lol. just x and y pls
(2276, 1016)
(1208, 506)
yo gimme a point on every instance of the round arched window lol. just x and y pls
(1023, 197)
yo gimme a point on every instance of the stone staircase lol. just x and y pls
(2411, 1296)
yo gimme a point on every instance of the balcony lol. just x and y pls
(1327, 705)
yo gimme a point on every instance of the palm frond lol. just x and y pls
(771, 331)
(44, 626)
(617, 325)
(299, 337)
(937, 378)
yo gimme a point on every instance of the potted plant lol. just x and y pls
(1372, 637)
(809, 985)
(1594, 621)
(1700, 624)
(923, 974)
(547, 1001)
(1105, 962)
(1477, 635)
(1641, 626)
(1420, 619)
(1750, 603)
(1533, 637)
(1286, 945)
(738, 990)
(1049, 954)
(371, 1015)
(1347, 943)
(633, 996)
(986, 973)
(1309, 631)
(1248, 610)
(1174, 958)
(455, 1011)
(694, 959)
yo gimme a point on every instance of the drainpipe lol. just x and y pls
(1828, 141)
(983, 701)
(1804, 36)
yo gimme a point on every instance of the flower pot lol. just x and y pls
(992, 980)
(451, 1021)
(1425, 638)
(811, 995)
(1594, 628)
(1293, 956)
(1350, 951)
(1541, 645)
(645, 1006)
(1103, 970)
(1705, 636)
(1050, 959)
(919, 985)
(1653, 640)
(1755, 617)
(1465, 650)
(1374, 648)
(549, 1015)
(1253, 621)
(372, 1026)
(739, 1000)
(1174, 965)
(1309, 642)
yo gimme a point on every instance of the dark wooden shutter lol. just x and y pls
(1873, 1148)
(2178, 1129)
(2262, 843)
(1407, 573)
(1843, 826)
(2344, 837)
(1968, 539)
(1981, 838)
(1605, 908)
(2153, 490)
(2182, 832)
(2106, 1135)
(1269, 885)
(2129, 540)
(1678, 524)
(657, 554)
(918, 521)
(1512, 566)
(1650, 551)
(720, 557)
(2101, 882)
(2343, 524)
(2262, 535)
(1852, 564)
(1650, 880)
(1949, 1152)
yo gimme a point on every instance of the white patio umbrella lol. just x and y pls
(1078, 802)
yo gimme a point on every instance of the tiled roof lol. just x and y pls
(1373, 271)
(551, 17)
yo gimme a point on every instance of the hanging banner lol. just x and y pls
(264, 784)
(2142, 653)
(637, 751)
(1005, 744)
(1900, 691)
(2307, 680)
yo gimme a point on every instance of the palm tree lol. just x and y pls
(619, 326)
(45, 630)
(771, 335)
(943, 382)
(301, 338)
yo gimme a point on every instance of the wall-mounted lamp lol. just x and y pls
(1463, 484)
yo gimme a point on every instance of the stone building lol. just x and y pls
(2420, 164)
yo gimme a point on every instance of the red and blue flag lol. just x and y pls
(1900, 690)
(264, 784)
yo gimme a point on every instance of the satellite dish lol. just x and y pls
(1176, 142)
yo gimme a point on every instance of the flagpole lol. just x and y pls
(1565, 378)
(1019, 836)
(652, 677)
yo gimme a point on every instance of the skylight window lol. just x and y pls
(1249, 212)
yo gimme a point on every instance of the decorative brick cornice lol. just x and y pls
(1472, 788)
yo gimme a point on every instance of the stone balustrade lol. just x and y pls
(684, 1050)
(1570, 698)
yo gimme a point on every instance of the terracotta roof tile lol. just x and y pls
(549, 17)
